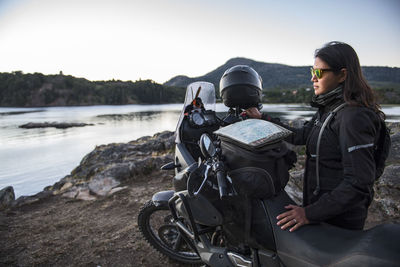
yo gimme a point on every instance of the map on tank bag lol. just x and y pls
(254, 132)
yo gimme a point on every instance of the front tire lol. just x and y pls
(155, 224)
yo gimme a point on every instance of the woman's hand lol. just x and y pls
(253, 113)
(294, 218)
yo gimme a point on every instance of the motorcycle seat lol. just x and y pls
(328, 245)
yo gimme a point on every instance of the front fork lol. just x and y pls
(197, 237)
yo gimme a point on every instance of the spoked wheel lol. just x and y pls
(155, 224)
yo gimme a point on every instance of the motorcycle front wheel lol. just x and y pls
(156, 226)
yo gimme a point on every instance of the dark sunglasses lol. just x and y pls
(318, 72)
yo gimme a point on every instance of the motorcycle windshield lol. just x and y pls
(204, 90)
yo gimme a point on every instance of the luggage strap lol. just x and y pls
(247, 222)
(331, 114)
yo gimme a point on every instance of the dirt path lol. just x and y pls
(63, 232)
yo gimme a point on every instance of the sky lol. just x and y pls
(159, 39)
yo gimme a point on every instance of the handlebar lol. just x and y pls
(219, 169)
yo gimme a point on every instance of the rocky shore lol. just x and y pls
(88, 218)
(105, 171)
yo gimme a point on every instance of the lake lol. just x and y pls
(31, 159)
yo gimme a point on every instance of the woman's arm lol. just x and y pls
(299, 136)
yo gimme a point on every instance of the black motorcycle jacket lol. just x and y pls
(346, 164)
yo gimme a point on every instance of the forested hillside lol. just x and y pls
(29, 90)
(289, 84)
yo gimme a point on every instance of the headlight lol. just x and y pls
(197, 119)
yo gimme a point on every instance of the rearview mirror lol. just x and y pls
(206, 146)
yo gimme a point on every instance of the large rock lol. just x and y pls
(295, 186)
(394, 127)
(386, 204)
(139, 156)
(102, 171)
(24, 200)
(100, 185)
(394, 155)
(7, 197)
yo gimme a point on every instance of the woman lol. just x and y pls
(346, 156)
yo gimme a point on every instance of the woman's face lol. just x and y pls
(328, 81)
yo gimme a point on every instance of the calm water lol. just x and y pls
(31, 159)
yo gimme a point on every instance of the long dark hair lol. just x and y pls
(356, 90)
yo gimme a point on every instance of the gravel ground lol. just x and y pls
(62, 232)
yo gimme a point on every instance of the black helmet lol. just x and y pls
(241, 86)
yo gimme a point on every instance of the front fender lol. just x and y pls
(161, 198)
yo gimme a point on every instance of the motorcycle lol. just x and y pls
(224, 207)
(155, 220)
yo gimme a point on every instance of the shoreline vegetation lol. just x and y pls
(38, 90)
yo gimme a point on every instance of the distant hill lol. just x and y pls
(284, 77)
